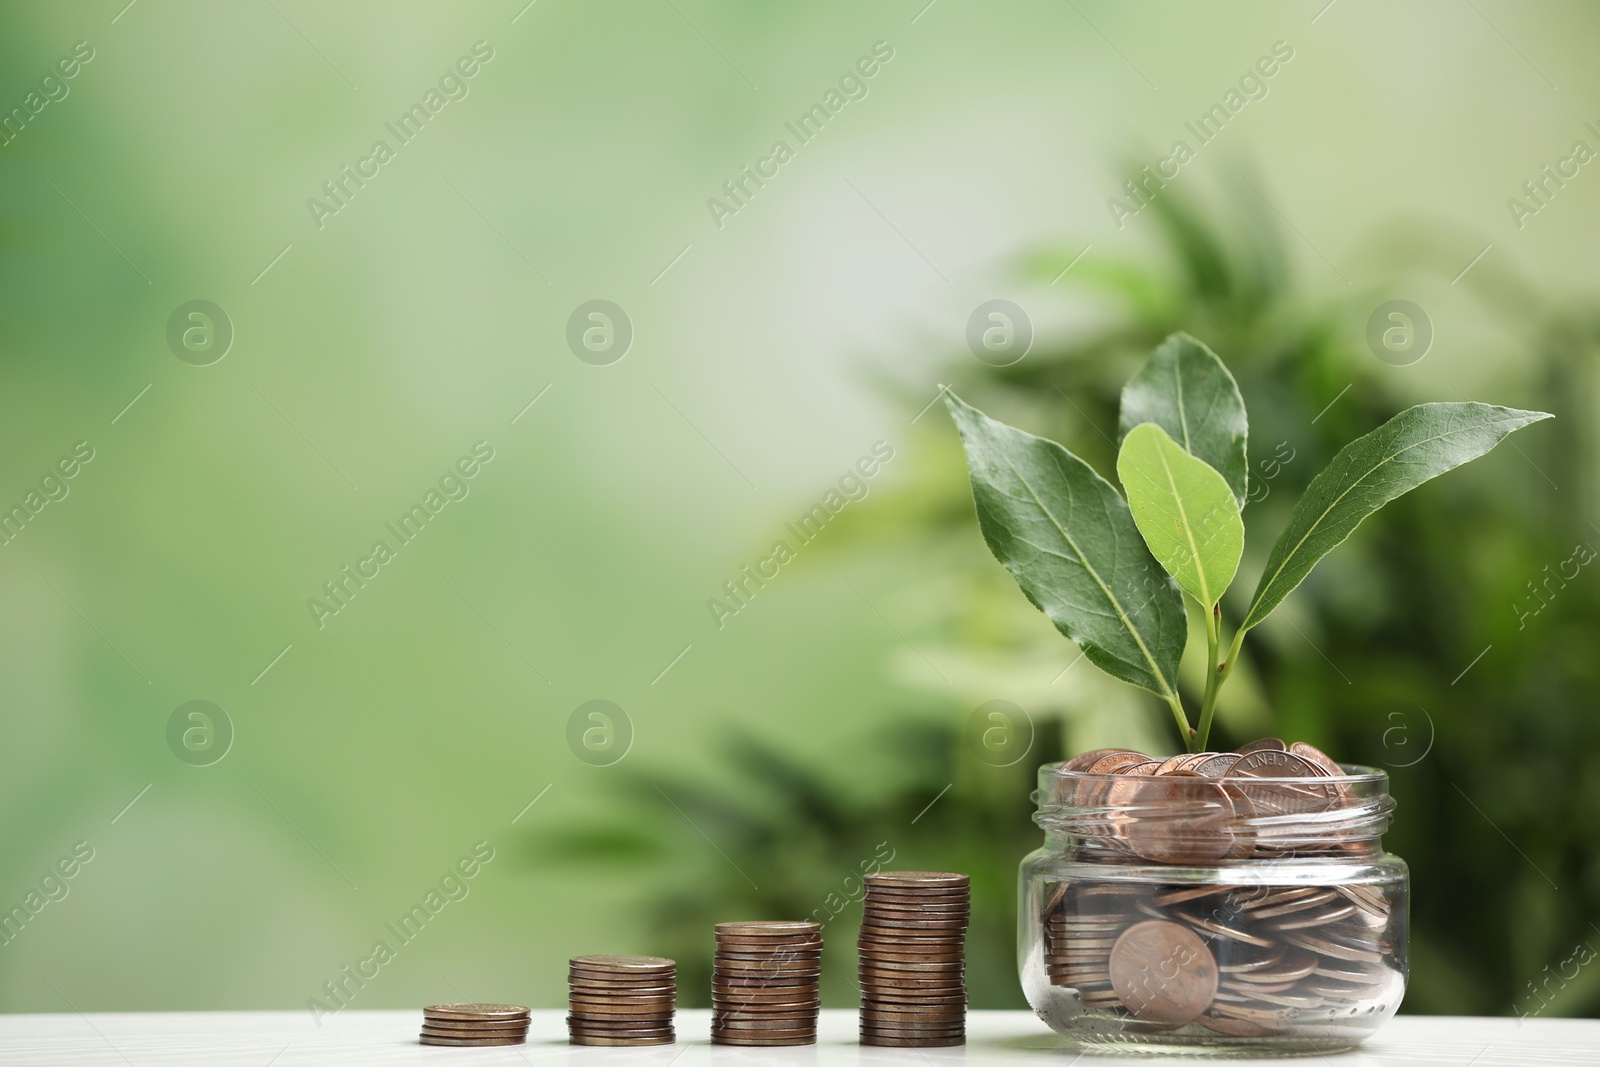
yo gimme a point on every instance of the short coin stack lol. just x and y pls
(621, 1000)
(474, 1024)
(912, 946)
(764, 983)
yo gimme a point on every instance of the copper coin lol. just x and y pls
(919, 911)
(575, 974)
(1265, 744)
(1163, 972)
(649, 1024)
(1108, 764)
(1317, 758)
(900, 968)
(936, 946)
(1172, 763)
(1303, 790)
(587, 1039)
(1178, 817)
(740, 983)
(641, 1010)
(943, 1030)
(918, 898)
(907, 922)
(433, 1039)
(906, 1015)
(930, 1042)
(916, 879)
(1145, 769)
(1216, 764)
(1083, 761)
(780, 928)
(475, 1011)
(727, 1039)
(622, 963)
(473, 1031)
(770, 949)
(621, 980)
(892, 956)
(752, 1020)
(797, 991)
(928, 934)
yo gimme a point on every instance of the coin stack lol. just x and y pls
(764, 983)
(621, 1000)
(474, 1024)
(912, 949)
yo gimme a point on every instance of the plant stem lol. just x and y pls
(1208, 703)
(1233, 658)
(1185, 731)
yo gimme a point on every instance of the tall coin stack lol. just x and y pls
(621, 1000)
(912, 946)
(474, 1024)
(764, 983)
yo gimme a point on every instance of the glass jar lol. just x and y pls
(1184, 913)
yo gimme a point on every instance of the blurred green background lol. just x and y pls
(773, 754)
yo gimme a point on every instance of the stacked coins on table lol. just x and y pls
(912, 946)
(474, 1024)
(764, 983)
(621, 1000)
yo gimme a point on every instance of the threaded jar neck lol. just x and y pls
(1191, 819)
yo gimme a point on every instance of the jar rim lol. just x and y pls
(1355, 774)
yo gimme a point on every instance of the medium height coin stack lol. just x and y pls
(621, 1000)
(474, 1024)
(912, 947)
(764, 983)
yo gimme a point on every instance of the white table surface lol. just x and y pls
(994, 1039)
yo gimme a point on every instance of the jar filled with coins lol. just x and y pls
(1214, 901)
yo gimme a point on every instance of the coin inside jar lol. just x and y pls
(1163, 972)
(1303, 788)
(1177, 817)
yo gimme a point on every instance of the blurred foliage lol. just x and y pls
(1496, 767)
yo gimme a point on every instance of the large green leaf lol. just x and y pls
(1418, 444)
(1185, 510)
(1184, 389)
(1068, 539)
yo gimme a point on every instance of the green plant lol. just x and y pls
(1112, 573)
